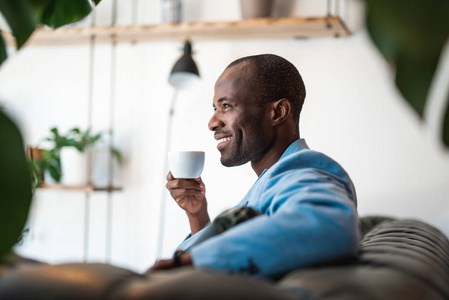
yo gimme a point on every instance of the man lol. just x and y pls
(308, 201)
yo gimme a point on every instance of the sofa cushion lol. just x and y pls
(189, 283)
(65, 281)
(402, 259)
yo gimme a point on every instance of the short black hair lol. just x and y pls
(276, 78)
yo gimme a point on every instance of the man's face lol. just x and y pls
(238, 122)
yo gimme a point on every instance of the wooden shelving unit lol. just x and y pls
(244, 29)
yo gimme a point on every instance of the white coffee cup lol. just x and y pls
(186, 164)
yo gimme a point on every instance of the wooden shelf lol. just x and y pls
(246, 29)
(86, 188)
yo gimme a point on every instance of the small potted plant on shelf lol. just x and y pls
(65, 161)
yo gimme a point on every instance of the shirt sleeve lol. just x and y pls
(204, 234)
(310, 218)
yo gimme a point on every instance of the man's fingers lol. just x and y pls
(170, 177)
(179, 193)
(163, 264)
(184, 184)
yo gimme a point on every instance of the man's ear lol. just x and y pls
(280, 110)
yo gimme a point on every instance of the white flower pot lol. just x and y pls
(73, 167)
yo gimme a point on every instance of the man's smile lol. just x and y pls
(222, 142)
(222, 139)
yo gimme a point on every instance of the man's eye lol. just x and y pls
(225, 105)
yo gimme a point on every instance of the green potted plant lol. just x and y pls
(66, 152)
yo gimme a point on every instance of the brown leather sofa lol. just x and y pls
(398, 259)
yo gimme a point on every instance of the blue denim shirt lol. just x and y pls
(310, 217)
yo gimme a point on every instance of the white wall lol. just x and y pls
(352, 112)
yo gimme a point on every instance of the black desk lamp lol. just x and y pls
(185, 72)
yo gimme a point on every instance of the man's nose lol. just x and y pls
(215, 123)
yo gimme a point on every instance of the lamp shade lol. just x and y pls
(185, 72)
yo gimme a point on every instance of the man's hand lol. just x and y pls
(190, 196)
(164, 264)
(188, 193)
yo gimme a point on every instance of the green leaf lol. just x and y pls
(35, 172)
(38, 7)
(20, 17)
(446, 124)
(55, 131)
(118, 155)
(54, 172)
(47, 154)
(3, 53)
(96, 138)
(54, 168)
(70, 143)
(410, 35)
(15, 184)
(75, 130)
(62, 12)
(51, 162)
(79, 147)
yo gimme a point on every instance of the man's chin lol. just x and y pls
(224, 161)
(230, 162)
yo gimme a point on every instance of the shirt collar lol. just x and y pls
(294, 147)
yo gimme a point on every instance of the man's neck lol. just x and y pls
(272, 156)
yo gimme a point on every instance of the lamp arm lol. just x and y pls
(171, 113)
